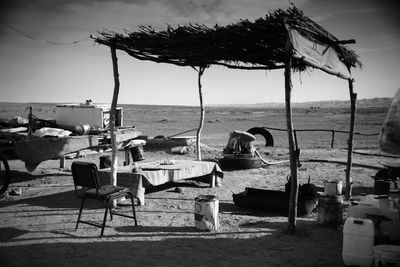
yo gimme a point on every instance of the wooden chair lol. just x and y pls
(87, 186)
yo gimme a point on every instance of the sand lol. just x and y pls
(38, 227)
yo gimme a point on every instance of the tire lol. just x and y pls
(238, 163)
(4, 175)
(269, 140)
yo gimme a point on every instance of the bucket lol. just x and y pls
(206, 210)
(386, 255)
(136, 148)
(333, 188)
(358, 240)
(381, 187)
(105, 162)
(330, 210)
(137, 153)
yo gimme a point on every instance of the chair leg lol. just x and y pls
(133, 209)
(109, 205)
(80, 213)
(105, 218)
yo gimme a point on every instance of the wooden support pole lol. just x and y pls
(202, 109)
(296, 145)
(114, 146)
(30, 122)
(62, 163)
(353, 99)
(293, 162)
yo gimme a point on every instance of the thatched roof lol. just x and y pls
(248, 45)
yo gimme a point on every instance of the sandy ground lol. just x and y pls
(37, 227)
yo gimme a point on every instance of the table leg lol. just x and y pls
(127, 159)
(213, 179)
(62, 163)
(140, 192)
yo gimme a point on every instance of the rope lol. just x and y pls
(181, 133)
(39, 40)
(343, 163)
(319, 130)
(269, 162)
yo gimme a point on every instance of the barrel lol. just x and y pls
(206, 210)
(330, 210)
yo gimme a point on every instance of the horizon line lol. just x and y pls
(214, 105)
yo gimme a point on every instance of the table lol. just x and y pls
(34, 150)
(160, 172)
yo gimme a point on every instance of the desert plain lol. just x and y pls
(37, 228)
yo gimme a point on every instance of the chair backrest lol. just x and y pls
(85, 174)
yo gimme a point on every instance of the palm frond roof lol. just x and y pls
(244, 45)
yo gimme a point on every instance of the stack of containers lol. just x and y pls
(383, 206)
(361, 233)
(330, 204)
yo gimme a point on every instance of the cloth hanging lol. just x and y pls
(389, 137)
(317, 55)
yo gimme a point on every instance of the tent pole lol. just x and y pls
(353, 99)
(293, 163)
(198, 134)
(114, 157)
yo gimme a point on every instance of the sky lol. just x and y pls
(33, 70)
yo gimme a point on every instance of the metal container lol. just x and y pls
(206, 210)
(333, 188)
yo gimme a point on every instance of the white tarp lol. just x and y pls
(389, 137)
(318, 56)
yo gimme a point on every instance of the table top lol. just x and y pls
(160, 172)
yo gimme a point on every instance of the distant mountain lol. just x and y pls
(372, 102)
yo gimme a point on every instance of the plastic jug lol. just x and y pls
(358, 241)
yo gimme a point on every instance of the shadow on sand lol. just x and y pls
(181, 246)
